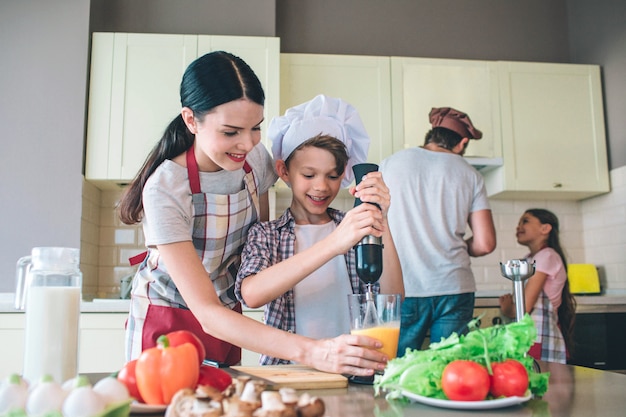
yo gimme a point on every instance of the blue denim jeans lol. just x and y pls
(441, 315)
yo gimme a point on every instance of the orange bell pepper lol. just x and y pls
(163, 370)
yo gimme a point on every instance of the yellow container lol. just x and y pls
(583, 279)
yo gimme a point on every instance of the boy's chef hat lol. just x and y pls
(322, 115)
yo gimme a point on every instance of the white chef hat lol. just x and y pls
(322, 115)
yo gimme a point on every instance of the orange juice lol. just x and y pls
(388, 333)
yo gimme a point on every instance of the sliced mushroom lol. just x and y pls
(181, 404)
(310, 406)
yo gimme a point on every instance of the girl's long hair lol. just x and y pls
(209, 81)
(567, 309)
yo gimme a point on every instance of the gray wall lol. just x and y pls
(597, 31)
(43, 72)
(44, 64)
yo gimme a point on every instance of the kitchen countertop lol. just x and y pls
(606, 303)
(573, 391)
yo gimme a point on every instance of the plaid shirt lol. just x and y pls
(269, 243)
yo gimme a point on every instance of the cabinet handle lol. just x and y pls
(557, 185)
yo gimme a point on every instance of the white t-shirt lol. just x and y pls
(432, 196)
(167, 203)
(321, 299)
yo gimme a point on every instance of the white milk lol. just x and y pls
(51, 343)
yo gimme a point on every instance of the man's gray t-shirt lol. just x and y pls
(432, 196)
(168, 208)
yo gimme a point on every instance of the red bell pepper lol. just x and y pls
(163, 370)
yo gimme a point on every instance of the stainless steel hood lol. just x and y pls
(483, 165)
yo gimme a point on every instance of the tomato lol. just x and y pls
(464, 380)
(179, 337)
(127, 376)
(510, 378)
(214, 377)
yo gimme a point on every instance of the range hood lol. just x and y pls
(483, 165)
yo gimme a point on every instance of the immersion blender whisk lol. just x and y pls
(518, 271)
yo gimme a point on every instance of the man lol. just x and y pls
(436, 195)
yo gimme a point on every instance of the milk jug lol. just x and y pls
(49, 289)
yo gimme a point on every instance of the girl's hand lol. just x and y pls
(372, 189)
(506, 305)
(348, 354)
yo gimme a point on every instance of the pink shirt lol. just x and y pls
(548, 261)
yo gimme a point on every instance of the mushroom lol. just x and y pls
(273, 406)
(310, 406)
(181, 404)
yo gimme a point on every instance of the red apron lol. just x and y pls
(221, 223)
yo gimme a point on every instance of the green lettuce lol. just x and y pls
(419, 371)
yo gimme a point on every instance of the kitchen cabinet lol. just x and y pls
(362, 81)
(134, 93)
(101, 342)
(599, 341)
(553, 137)
(419, 84)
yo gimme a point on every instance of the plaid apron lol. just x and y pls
(549, 345)
(221, 223)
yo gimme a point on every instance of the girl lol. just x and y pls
(201, 188)
(546, 293)
(302, 265)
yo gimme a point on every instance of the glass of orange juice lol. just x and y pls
(377, 316)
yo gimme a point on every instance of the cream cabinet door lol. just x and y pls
(362, 81)
(419, 84)
(133, 96)
(554, 142)
(262, 54)
(101, 342)
(248, 357)
(134, 93)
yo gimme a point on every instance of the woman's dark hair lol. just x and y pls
(567, 309)
(443, 137)
(333, 145)
(209, 81)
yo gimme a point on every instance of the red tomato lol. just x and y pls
(510, 378)
(127, 376)
(214, 377)
(464, 380)
(179, 337)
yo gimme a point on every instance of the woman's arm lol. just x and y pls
(348, 354)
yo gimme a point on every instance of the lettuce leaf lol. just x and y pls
(419, 371)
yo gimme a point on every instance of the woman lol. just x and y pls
(203, 185)
(547, 296)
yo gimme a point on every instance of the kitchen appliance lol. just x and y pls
(48, 287)
(369, 265)
(369, 251)
(518, 271)
(583, 279)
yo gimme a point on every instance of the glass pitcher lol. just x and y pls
(48, 287)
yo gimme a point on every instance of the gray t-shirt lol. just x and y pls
(432, 196)
(168, 208)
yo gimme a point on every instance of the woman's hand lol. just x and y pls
(372, 189)
(348, 354)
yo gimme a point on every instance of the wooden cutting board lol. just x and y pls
(295, 376)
